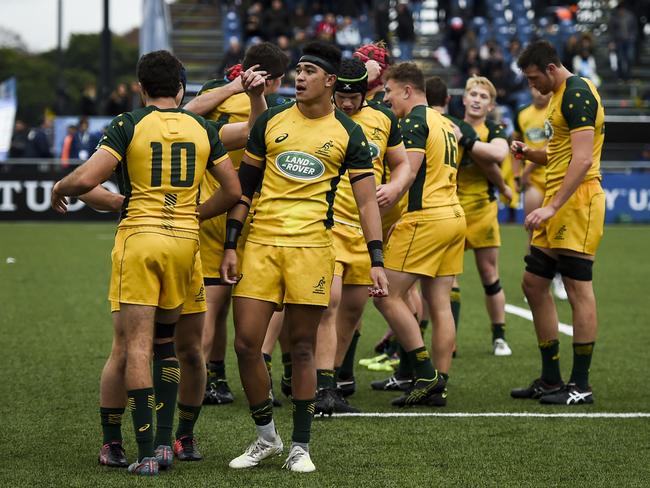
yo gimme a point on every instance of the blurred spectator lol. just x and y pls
(136, 95)
(471, 64)
(467, 42)
(405, 32)
(38, 142)
(231, 57)
(276, 21)
(623, 33)
(301, 18)
(83, 142)
(66, 147)
(584, 65)
(89, 100)
(19, 140)
(118, 102)
(382, 21)
(454, 35)
(292, 52)
(252, 21)
(348, 36)
(326, 28)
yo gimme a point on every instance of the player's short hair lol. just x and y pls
(352, 77)
(324, 51)
(436, 90)
(538, 53)
(482, 82)
(159, 73)
(407, 72)
(270, 58)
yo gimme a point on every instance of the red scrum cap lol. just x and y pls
(376, 51)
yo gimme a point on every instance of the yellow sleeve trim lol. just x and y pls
(584, 127)
(253, 156)
(220, 160)
(357, 171)
(416, 149)
(109, 149)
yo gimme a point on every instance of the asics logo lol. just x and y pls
(577, 397)
(144, 427)
(281, 137)
(160, 405)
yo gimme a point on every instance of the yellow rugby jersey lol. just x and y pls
(304, 161)
(162, 154)
(234, 109)
(427, 131)
(474, 189)
(381, 129)
(530, 122)
(575, 106)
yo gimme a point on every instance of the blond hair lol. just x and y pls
(482, 82)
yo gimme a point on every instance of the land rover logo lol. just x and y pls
(299, 165)
(374, 150)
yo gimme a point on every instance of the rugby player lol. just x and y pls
(349, 291)
(297, 152)
(529, 128)
(427, 242)
(567, 228)
(477, 196)
(226, 103)
(159, 167)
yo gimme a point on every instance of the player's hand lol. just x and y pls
(538, 216)
(228, 268)
(59, 202)
(374, 70)
(387, 195)
(506, 192)
(457, 132)
(379, 288)
(253, 81)
(518, 149)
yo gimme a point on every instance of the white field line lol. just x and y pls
(594, 415)
(527, 314)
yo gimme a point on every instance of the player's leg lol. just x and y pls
(443, 332)
(189, 351)
(166, 377)
(112, 399)
(326, 351)
(541, 265)
(576, 271)
(252, 317)
(302, 322)
(215, 339)
(273, 334)
(454, 301)
(487, 260)
(348, 323)
(399, 316)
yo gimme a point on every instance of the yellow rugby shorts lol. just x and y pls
(579, 224)
(212, 235)
(293, 275)
(427, 247)
(482, 226)
(352, 261)
(153, 266)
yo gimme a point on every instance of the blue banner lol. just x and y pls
(627, 197)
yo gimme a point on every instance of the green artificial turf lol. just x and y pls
(56, 334)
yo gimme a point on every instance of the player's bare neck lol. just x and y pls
(474, 121)
(316, 109)
(162, 103)
(562, 75)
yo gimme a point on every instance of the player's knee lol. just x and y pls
(540, 264)
(493, 288)
(191, 356)
(575, 268)
(246, 348)
(302, 352)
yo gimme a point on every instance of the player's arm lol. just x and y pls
(401, 177)
(226, 196)
(582, 144)
(99, 198)
(234, 136)
(205, 103)
(96, 170)
(521, 150)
